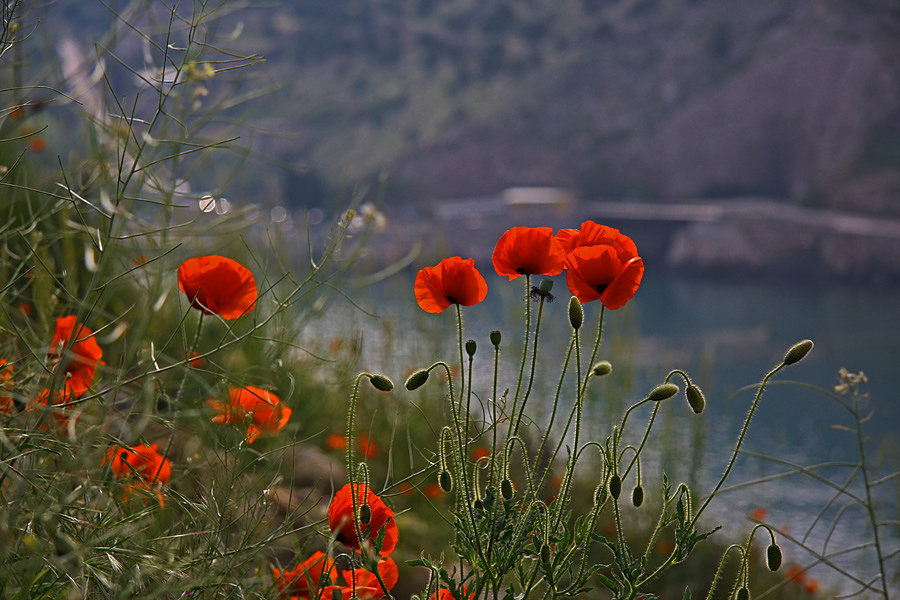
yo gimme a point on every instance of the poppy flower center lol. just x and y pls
(602, 287)
(452, 300)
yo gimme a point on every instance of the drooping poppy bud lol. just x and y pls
(506, 489)
(662, 392)
(445, 480)
(796, 352)
(602, 368)
(381, 383)
(545, 554)
(495, 338)
(365, 514)
(576, 313)
(743, 594)
(615, 486)
(416, 380)
(695, 398)
(773, 557)
(637, 496)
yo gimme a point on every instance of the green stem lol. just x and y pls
(534, 353)
(524, 352)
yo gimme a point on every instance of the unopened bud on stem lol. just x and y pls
(796, 352)
(576, 313)
(663, 391)
(445, 481)
(615, 486)
(416, 380)
(381, 383)
(495, 338)
(695, 398)
(506, 489)
(602, 368)
(637, 496)
(773, 556)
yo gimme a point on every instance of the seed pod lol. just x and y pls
(743, 594)
(796, 352)
(602, 368)
(576, 313)
(546, 285)
(637, 496)
(773, 556)
(445, 481)
(365, 514)
(506, 489)
(545, 554)
(495, 337)
(615, 486)
(695, 398)
(663, 391)
(416, 380)
(470, 348)
(381, 383)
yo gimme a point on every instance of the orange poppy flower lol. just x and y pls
(366, 446)
(796, 574)
(594, 234)
(433, 491)
(406, 489)
(479, 452)
(143, 463)
(811, 586)
(259, 408)
(37, 144)
(219, 285)
(451, 281)
(528, 251)
(445, 594)
(364, 585)
(336, 441)
(6, 401)
(341, 520)
(598, 273)
(81, 362)
(308, 575)
(759, 514)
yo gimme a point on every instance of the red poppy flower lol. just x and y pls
(366, 446)
(363, 584)
(445, 594)
(336, 441)
(308, 575)
(142, 463)
(215, 284)
(433, 490)
(598, 273)
(594, 234)
(341, 522)
(451, 281)
(528, 251)
(6, 401)
(259, 408)
(479, 452)
(81, 362)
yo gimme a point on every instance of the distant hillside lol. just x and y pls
(796, 99)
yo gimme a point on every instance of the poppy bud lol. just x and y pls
(470, 348)
(743, 594)
(336, 593)
(599, 494)
(679, 506)
(495, 337)
(637, 496)
(576, 313)
(381, 383)
(416, 380)
(478, 504)
(545, 549)
(546, 285)
(365, 514)
(602, 368)
(342, 562)
(663, 391)
(445, 481)
(796, 352)
(695, 398)
(773, 556)
(615, 486)
(506, 489)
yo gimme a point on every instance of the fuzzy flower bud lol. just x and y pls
(416, 380)
(601, 368)
(381, 383)
(615, 486)
(637, 496)
(445, 481)
(470, 348)
(506, 489)
(365, 514)
(576, 313)
(743, 594)
(663, 391)
(773, 556)
(796, 352)
(695, 398)
(495, 337)
(545, 551)
(546, 285)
